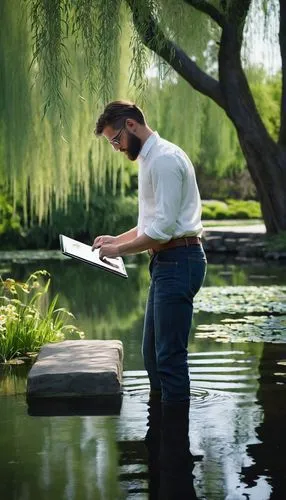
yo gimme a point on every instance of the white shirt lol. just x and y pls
(168, 195)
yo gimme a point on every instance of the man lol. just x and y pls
(169, 226)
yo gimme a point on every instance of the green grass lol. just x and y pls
(27, 320)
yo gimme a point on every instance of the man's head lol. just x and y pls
(123, 124)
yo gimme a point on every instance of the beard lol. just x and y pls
(133, 146)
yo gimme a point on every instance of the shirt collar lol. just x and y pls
(148, 145)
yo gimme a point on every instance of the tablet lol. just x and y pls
(81, 251)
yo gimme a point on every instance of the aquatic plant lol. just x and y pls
(247, 329)
(27, 319)
(267, 300)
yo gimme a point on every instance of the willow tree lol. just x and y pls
(114, 40)
(265, 158)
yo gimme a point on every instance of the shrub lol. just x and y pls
(26, 321)
(207, 213)
(10, 223)
(276, 242)
(241, 209)
(220, 213)
(231, 209)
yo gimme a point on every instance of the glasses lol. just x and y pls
(116, 140)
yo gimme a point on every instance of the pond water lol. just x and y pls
(238, 403)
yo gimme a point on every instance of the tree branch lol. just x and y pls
(208, 9)
(153, 37)
(239, 102)
(282, 40)
(237, 13)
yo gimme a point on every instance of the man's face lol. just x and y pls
(124, 141)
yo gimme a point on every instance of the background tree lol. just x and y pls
(198, 45)
(265, 157)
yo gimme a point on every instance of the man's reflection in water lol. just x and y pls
(170, 462)
(268, 455)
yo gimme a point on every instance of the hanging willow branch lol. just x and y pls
(86, 52)
(48, 23)
(155, 39)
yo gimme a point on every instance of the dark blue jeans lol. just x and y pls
(176, 276)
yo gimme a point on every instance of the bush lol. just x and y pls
(10, 223)
(25, 323)
(220, 213)
(207, 213)
(231, 209)
(244, 209)
(276, 242)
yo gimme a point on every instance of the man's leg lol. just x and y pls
(175, 284)
(173, 317)
(148, 345)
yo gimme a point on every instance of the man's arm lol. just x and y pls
(125, 237)
(137, 245)
(115, 240)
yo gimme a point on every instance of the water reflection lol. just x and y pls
(236, 420)
(225, 418)
(268, 454)
(170, 462)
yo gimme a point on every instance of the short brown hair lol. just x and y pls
(115, 114)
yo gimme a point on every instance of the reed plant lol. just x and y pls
(28, 320)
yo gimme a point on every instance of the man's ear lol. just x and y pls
(131, 125)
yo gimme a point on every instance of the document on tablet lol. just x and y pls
(81, 251)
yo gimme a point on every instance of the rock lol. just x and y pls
(77, 368)
(243, 241)
(212, 242)
(231, 244)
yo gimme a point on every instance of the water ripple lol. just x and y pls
(217, 377)
(203, 398)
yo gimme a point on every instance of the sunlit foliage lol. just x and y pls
(62, 61)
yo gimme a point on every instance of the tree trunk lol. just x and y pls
(265, 159)
(268, 171)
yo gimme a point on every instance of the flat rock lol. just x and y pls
(77, 368)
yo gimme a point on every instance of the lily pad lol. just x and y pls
(242, 300)
(247, 329)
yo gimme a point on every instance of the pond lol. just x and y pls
(238, 403)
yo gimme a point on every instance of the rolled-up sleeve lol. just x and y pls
(167, 180)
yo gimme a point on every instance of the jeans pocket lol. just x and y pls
(197, 272)
(164, 269)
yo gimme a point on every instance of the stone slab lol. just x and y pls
(77, 368)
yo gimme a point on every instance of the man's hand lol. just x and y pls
(108, 251)
(103, 240)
